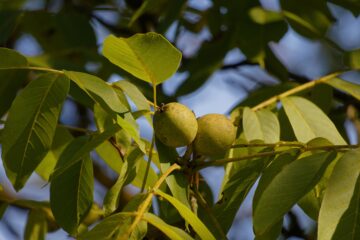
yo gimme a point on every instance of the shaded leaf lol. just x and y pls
(31, 125)
(10, 79)
(112, 227)
(112, 197)
(287, 187)
(311, 19)
(348, 87)
(236, 189)
(149, 56)
(71, 190)
(126, 175)
(36, 226)
(309, 122)
(269, 173)
(168, 230)
(261, 125)
(77, 149)
(339, 212)
(98, 90)
(188, 215)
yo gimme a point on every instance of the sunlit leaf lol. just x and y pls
(188, 215)
(261, 125)
(309, 122)
(149, 56)
(62, 138)
(339, 216)
(168, 230)
(176, 182)
(98, 90)
(287, 187)
(36, 226)
(352, 59)
(31, 125)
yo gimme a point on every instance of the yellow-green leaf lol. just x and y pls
(149, 57)
(339, 216)
(261, 125)
(170, 231)
(189, 216)
(309, 122)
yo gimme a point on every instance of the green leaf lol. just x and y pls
(98, 90)
(287, 187)
(36, 226)
(135, 95)
(62, 138)
(309, 122)
(270, 172)
(322, 96)
(111, 199)
(348, 87)
(71, 190)
(177, 182)
(262, 16)
(188, 215)
(339, 212)
(352, 59)
(140, 175)
(261, 125)
(110, 155)
(3, 207)
(168, 230)
(72, 155)
(311, 19)
(8, 23)
(10, 79)
(10, 58)
(31, 125)
(59, 33)
(112, 227)
(126, 175)
(236, 189)
(149, 57)
(132, 131)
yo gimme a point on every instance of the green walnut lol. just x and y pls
(215, 135)
(175, 125)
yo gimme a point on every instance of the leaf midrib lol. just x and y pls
(32, 126)
(142, 63)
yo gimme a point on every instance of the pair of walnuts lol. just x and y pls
(175, 125)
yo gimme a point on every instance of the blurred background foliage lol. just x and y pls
(256, 48)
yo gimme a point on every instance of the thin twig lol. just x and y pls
(148, 164)
(76, 129)
(143, 207)
(271, 153)
(297, 89)
(223, 161)
(34, 68)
